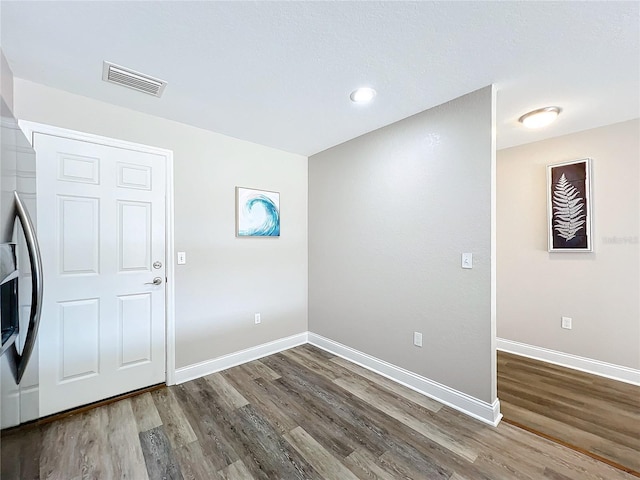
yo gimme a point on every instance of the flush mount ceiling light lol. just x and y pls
(363, 95)
(540, 118)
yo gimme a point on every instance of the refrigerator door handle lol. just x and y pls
(36, 290)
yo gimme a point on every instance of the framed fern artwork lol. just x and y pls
(569, 206)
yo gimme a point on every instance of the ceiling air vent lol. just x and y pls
(126, 77)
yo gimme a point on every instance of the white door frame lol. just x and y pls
(30, 128)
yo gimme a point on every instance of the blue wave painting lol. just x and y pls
(258, 213)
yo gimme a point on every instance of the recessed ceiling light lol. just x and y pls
(363, 95)
(540, 118)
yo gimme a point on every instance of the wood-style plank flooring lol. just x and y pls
(299, 414)
(592, 413)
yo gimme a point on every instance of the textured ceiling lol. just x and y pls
(280, 73)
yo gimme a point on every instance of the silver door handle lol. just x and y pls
(36, 287)
(156, 281)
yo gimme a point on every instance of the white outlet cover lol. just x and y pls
(566, 323)
(182, 258)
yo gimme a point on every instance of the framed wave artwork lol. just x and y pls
(257, 213)
(569, 206)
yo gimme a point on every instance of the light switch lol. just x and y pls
(182, 258)
(467, 260)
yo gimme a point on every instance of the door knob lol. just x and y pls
(156, 281)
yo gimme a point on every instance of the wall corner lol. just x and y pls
(6, 81)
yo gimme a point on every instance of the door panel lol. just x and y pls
(134, 235)
(101, 215)
(135, 316)
(134, 176)
(74, 168)
(79, 234)
(80, 339)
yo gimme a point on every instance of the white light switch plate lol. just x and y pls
(566, 322)
(182, 258)
(467, 260)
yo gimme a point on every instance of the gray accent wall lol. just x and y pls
(390, 213)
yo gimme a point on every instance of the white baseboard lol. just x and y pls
(207, 367)
(589, 365)
(483, 411)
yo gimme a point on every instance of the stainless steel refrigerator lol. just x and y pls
(20, 276)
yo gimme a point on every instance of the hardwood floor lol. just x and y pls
(592, 413)
(299, 414)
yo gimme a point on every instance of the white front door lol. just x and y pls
(101, 224)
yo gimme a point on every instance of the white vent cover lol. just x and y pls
(126, 77)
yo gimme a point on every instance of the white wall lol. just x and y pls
(226, 279)
(6, 81)
(390, 214)
(599, 290)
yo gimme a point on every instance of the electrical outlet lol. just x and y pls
(257, 318)
(182, 258)
(417, 339)
(566, 322)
